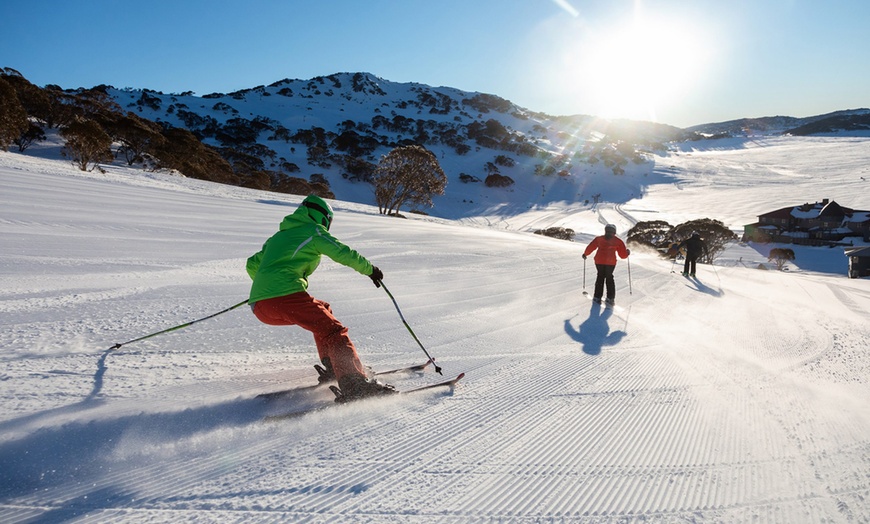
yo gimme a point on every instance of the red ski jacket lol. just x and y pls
(607, 248)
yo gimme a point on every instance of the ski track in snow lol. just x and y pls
(738, 396)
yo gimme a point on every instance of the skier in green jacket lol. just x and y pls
(279, 294)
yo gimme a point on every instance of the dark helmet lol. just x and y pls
(611, 228)
(695, 234)
(318, 210)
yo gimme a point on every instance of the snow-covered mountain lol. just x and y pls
(337, 127)
(850, 122)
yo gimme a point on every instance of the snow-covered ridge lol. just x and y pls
(306, 128)
(365, 116)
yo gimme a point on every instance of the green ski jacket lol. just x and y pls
(293, 253)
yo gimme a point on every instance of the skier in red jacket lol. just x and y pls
(608, 246)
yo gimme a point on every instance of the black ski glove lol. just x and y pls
(376, 276)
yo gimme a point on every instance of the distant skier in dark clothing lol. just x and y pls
(695, 247)
(608, 246)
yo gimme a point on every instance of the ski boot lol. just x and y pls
(356, 387)
(610, 302)
(325, 372)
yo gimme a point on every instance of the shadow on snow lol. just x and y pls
(82, 452)
(693, 282)
(595, 332)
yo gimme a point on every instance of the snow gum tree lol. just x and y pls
(665, 238)
(780, 256)
(654, 233)
(137, 136)
(13, 117)
(407, 174)
(34, 133)
(87, 144)
(713, 232)
(34, 100)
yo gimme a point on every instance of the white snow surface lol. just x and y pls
(737, 397)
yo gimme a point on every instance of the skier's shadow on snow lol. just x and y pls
(697, 284)
(92, 400)
(594, 333)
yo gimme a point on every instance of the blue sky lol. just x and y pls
(678, 62)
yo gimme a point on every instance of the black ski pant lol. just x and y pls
(605, 278)
(689, 266)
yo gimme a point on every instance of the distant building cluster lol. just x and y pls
(824, 223)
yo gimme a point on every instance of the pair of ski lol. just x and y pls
(338, 396)
(602, 302)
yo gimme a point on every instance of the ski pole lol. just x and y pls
(584, 274)
(411, 331)
(628, 261)
(116, 346)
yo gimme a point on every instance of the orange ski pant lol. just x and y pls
(330, 336)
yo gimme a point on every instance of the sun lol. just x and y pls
(630, 69)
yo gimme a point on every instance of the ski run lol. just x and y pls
(738, 396)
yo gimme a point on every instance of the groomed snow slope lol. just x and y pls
(740, 396)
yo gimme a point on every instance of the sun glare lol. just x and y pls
(629, 71)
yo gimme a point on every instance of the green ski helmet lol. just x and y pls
(318, 210)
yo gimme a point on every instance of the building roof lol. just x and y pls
(858, 252)
(824, 209)
(833, 209)
(779, 213)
